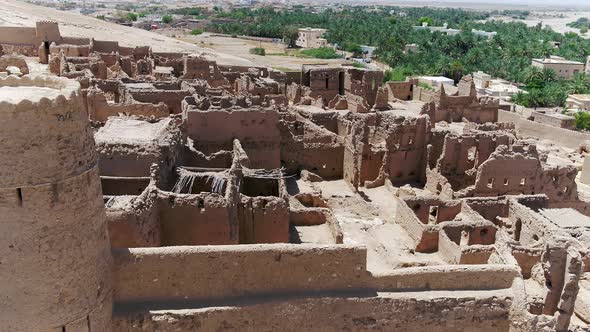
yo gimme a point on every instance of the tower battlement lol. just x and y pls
(53, 211)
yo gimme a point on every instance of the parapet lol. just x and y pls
(48, 31)
(47, 112)
(55, 248)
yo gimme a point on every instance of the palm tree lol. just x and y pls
(536, 78)
(532, 76)
(441, 67)
(546, 49)
(456, 71)
(579, 84)
(548, 75)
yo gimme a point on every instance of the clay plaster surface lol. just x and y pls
(131, 131)
(566, 217)
(319, 234)
(34, 94)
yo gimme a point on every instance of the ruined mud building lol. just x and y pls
(201, 185)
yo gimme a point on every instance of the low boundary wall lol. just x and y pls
(215, 272)
(211, 273)
(564, 137)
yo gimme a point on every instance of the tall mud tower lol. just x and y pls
(55, 260)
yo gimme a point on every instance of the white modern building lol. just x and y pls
(488, 35)
(494, 87)
(436, 81)
(444, 29)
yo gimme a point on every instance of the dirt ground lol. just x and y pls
(366, 219)
(555, 19)
(241, 48)
(17, 13)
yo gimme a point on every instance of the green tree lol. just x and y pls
(548, 75)
(582, 121)
(321, 53)
(425, 19)
(456, 71)
(390, 51)
(555, 94)
(396, 74)
(537, 79)
(258, 51)
(353, 48)
(530, 75)
(579, 84)
(131, 16)
(167, 19)
(508, 55)
(521, 98)
(290, 35)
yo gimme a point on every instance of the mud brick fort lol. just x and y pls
(146, 191)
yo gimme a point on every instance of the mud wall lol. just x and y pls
(133, 221)
(490, 208)
(517, 170)
(400, 90)
(486, 309)
(263, 220)
(201, 219)
(531, 228)
(130, 160)
(257, 131)
(168, 273)
(406, 217)
(387, 312)
(171, 98)
(100, 109)
(305, 145)
(18, 36)
(56, 261)
(564, 137)
(104, 46)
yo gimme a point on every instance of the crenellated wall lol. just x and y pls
(54, 245)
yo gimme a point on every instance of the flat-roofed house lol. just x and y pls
(563, 68)
(311, 38)
(580, 102)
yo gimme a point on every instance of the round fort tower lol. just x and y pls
(55, 260)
